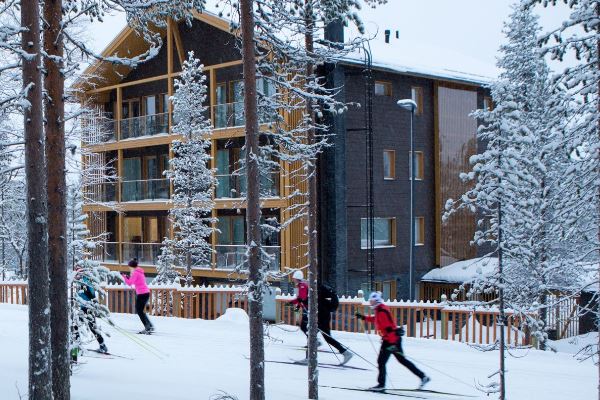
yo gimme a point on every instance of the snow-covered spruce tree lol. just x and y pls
(193, 180)
(13, 228)
(578, 38)
(510, 179)
(85, 271)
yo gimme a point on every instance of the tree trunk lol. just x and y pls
(313, 272)
(253, 212)
(40, 373)
(54, 107)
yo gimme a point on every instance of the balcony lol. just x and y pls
(151, 189)
(231, 115)
(147, 125)
(232, 256)
(234, 185)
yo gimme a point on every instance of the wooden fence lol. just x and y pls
(472, 324)
(430, 320)
(206, 302)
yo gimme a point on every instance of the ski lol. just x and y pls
(300, 362)
(322, 365)
(383, 392)
(109, 354)
(432, 392)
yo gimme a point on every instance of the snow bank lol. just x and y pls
(234, 315)
(462, 271)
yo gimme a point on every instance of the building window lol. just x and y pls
(383, 88)
(419, 231)
(488, 104)
(384, 232)
(389, 164)
(419, 164)
(416, 94)
(387, 289)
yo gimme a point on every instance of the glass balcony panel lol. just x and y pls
(151, 189)
(146, 253)
(232, 256)
(146, 125)
(100, 193)
(234, 185)
(110, 253)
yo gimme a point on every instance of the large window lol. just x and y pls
(419, 231)
(419, 166)
(384, 232)
(389, 164)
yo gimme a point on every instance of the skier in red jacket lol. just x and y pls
(301, 300)
(391, 342)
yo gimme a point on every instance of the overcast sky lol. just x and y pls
(456, 34)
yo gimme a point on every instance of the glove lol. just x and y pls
(359, 315)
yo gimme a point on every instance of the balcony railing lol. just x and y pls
(231, 256)
(230, 115)
(100, 193)
(151, 189)
(234, 185)
(146, 125)
(146, 253)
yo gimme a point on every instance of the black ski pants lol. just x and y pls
(140, 303)
(387, 349)
(324, 325)
(91, 321)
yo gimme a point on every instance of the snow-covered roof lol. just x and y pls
(462, 271)
(409, 54)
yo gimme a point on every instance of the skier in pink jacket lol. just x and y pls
(137, 279)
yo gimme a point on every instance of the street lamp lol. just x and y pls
(410, 105)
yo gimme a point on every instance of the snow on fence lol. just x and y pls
(430, 320)
(206, 302)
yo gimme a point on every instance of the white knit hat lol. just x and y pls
(298, 274)
(376, 296)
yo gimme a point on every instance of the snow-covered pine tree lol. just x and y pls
(511, 177)
(193, 180)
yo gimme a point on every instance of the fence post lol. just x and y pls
(443, 299)
(277, 306)
(176, 302)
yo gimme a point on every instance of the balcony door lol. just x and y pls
(132, 176)
(231, 241)
(130, 124)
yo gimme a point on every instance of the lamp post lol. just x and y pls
(410, 105)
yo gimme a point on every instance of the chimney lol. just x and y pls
(387, 35)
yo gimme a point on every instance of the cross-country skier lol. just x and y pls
(391, 342)
(137, 279)
(86, 295)
(328, 303)
(301, 300)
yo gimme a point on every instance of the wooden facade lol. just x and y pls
(141, 119)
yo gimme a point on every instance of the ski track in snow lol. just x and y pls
(205, 357)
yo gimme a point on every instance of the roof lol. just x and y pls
(462, 271)
(402, 55)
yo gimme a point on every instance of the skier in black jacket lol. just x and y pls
(328, 302)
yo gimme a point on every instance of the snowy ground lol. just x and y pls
(199, 358)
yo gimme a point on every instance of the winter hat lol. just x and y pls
(133, 263)
(298, 274)
(376, 296)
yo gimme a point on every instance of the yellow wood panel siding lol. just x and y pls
(457, 142)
